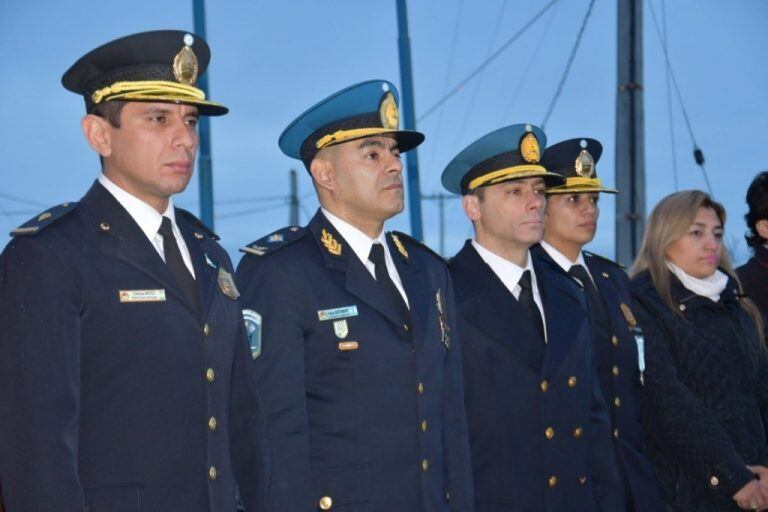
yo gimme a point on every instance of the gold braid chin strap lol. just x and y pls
(147, 89)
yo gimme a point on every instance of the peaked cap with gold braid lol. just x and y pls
(509, 153)
(362, 110)
(159, 66)
(575, 159)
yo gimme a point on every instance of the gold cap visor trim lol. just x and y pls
(340, 136)
(509, 173)
(159, 91)
(579, 185)
(217, 107)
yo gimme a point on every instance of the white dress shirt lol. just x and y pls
(510, 275)
(361, 245)
(149, 220)
(564, 261)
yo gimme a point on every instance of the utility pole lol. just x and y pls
(204, 167)
(440, 198)
(630, 132)
(293, 218)
(406, 84)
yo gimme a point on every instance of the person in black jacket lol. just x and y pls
(754, 274)
(706, 368)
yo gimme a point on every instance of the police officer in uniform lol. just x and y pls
(538, 426)
(125, 374)
(359, 361)
(569, 224)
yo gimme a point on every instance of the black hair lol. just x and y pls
(109, 110)
(757, 200)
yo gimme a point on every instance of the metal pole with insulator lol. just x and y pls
(406, 85)
(204, 167)
(630, 132)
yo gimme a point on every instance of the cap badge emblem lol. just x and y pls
(185, 66)
(388, 112)
(529, 148)
(585, 164)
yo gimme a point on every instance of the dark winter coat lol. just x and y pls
(706, 385)
(754, 278)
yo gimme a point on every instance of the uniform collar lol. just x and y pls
(144, 215)
(359, 242)
(508, 272)
(562, 260)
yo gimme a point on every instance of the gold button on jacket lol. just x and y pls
(325, 503)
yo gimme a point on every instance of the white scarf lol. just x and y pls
(710, 287)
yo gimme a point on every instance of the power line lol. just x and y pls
(698, 154)
(567, 69)
(529, 65)
(474, 73)
(249, 200)
(448, 73)
(670, 114)
(19, 212)
(250, 211)
(469, 110)
(22, 200)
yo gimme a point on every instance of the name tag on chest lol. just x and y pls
(337, 313)
(142, 296)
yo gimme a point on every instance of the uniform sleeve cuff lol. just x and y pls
(727, 482)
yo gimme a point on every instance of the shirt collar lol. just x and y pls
(562, 260)
(143, 214)
(357, 240)
(508, 272)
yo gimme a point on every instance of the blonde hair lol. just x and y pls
(670, 220)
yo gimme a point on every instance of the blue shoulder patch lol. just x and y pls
(397, 236)
(41, 221)
(274, 241)
(605, 260)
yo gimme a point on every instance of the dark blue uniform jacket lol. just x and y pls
(110, 404)
(539, 435)
(618, 373)
(363, 413)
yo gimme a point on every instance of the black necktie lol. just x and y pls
(385, 282)
(597, 311)
(176, 263)
(529, 305)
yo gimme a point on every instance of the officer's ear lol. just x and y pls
(97, 133)
(471, 204)
(322, 173)
(761, 227)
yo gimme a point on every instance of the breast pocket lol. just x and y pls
(343, 487)
(113, 498)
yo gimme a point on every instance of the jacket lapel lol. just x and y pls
(564, 311)
(358, 281)
(492, 308)
(416, 288)
(123, 239)
(205, 274)
(606, 289)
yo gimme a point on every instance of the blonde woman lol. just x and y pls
(705, 369)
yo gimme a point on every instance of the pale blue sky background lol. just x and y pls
(271, 60)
